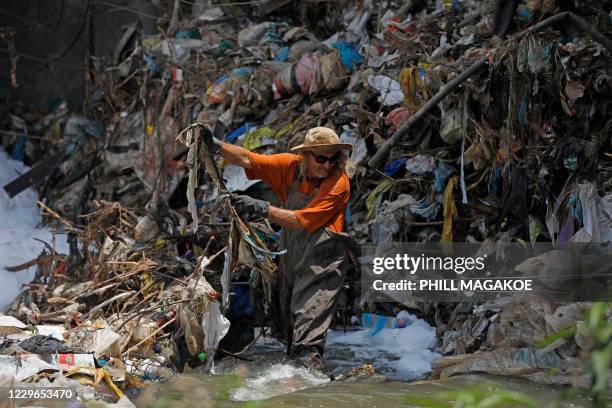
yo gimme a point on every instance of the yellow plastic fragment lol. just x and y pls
(450, 210)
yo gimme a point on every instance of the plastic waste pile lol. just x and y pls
(466, 127)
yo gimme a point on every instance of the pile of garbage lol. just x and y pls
(84, 316)
(459, 133)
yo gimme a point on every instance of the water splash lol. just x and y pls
(276, 380)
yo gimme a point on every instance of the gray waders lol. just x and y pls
(311, 275)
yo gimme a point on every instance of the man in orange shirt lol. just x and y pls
(314, 189)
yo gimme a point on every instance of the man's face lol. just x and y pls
(321, 164)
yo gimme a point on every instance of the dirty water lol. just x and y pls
(219, 391)
(269, 381)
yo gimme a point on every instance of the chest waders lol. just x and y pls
(311, 274)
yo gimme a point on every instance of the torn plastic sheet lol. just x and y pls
(451, 129)
(358, 23)
(333, 73)
(605, 218)
(24, 366)
(105, 342)
(308, 73)
(235, 179)
(443, 171)
(374, 197)
(395, 166)
(10, 325)
(236, 133)
(349, 55)
(80, 126)
(386, 223)
(212, 14)
(413, 87)
(383, 228)
(378, 60)
(508, 362)
(179, 48)
(425, 208)
(215, 326)
(375, 323)
(403, 200)
(359, 151)
(421, 164)
(592, 210)
(530, 55)
(192, 138)
(254, 33)
(396, 117)
(126, 146)
(256, 137)
(390, 92)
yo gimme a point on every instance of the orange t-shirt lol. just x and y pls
(326, 209)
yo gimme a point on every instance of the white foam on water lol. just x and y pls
(19, 225)
(276, 380)
(400, 354)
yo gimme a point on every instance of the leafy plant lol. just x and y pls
(566, 333)
(599, 329)
(597, 334)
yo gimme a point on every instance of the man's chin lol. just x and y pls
(321, 175)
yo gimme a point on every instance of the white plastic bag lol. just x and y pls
(389, 90)
(215, 326)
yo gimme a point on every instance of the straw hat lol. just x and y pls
(321, 139)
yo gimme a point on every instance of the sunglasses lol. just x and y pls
(319, 158)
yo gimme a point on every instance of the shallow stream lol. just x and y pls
(400, 357)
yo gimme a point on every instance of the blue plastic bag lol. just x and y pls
(349, 55)
(395, 166)
(236, 133)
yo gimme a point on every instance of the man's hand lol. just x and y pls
(213, 144)
(249, 205)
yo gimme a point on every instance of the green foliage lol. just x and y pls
(599, 329)
(566, 333)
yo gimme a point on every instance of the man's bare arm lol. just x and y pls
(235, 155)
(284, 218)
(240, 157)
